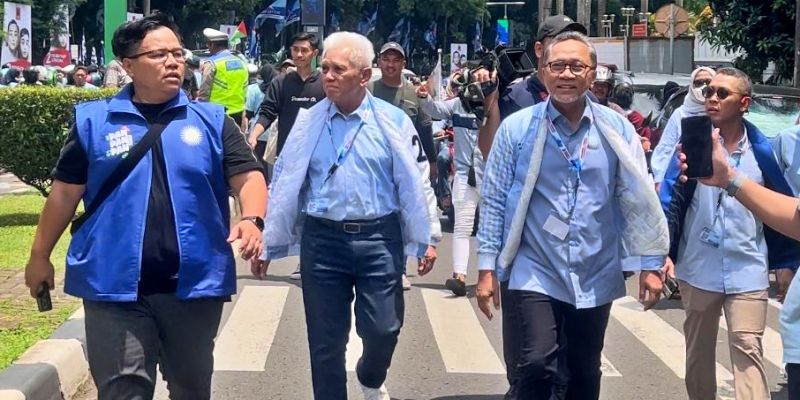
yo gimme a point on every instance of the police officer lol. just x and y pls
(225, 76)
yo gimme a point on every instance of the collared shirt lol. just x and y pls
(362, 187)
(739, 264)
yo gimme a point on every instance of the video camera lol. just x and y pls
(510, 64)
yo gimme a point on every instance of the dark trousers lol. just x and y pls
(334, 263)
(125, 341)
(793, 371)
(510, 341)
(557, 347)
(259, 150)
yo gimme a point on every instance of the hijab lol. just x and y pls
(694, 102)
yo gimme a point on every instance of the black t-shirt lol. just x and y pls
(160, 254)
(286, 95)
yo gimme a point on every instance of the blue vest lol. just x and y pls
(105, 254)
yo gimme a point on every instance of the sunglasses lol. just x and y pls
(722, 93)
(701, 82)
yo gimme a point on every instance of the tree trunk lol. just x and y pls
(545, 9)
(146, 7)
(601, 10)
(797, 45)
(585, 13)
(560, 7)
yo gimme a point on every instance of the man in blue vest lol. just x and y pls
(153, 263)
(225, 76)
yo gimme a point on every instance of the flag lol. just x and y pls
(397, 32)
(367, 24)
(335, 23)
(239, 34)
(477, 41)
(406, 43)
(435, 79)
(430, 35)
(276, 11)
(292, 16)
(253, 45)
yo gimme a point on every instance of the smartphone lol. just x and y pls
(43, 298)
(670, 287)
(696, 144)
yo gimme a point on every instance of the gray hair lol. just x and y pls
(571, 35)
(359, 48)
(747, 84)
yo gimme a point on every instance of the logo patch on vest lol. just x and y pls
(119, 142)
(191, 135)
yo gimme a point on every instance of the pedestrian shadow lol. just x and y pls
(436, 286)
(471, 397)
(19, 219)
(270, 279)
(668, 305)
(782, 394)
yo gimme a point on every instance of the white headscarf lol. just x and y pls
(694, 102)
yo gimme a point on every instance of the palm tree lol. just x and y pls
(601, 10)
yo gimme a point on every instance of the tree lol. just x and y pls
(762, 30)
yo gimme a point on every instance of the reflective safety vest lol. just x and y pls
(230, 82)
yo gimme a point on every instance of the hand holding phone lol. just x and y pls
(697, 145)
(43, 298)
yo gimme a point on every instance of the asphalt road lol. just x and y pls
(447, 349)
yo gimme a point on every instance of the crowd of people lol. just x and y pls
(556, 168)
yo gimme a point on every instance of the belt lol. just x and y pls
(356, 226)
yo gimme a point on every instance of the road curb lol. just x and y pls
(52, 369)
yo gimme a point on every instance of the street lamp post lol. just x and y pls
(608, 24)
(505, 5)
(627, 12)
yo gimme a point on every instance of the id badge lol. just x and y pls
(710, 237)
(556, 227)
(318, 205)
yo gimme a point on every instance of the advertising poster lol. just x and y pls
(227, 29)
(59, 54)
(458, 56)
(134, 16)
(16, 50)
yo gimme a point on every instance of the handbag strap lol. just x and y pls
(122, 170)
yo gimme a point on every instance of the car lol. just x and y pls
(408, 74)
(774, 108)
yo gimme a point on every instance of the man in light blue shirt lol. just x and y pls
(722, 251)
(359, 198)
(557, 208)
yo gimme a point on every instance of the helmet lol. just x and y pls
(604, 75)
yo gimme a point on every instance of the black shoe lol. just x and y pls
(457, 286)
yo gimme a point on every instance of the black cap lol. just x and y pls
(393, 46)
(555, 24)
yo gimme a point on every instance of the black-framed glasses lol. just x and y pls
(722, 93)
(577, 68)
(161, 55)
(698, 83)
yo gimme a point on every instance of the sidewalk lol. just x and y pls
(9, 184)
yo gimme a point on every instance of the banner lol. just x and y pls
(435, 78)
(16, 50)
(314, 12)
(502, 32)
(115, 13)
(458, 56)
(228, 30)
(134, 16)
(59, 54)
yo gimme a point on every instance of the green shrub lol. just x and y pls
(34, 122)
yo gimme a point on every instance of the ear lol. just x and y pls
(366, 76)
(127, 65)
(538, 50)
(744, 103)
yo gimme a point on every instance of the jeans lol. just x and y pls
(443, 162)
(336, 267)
(126, 340)
(559, 347)
(793, 371)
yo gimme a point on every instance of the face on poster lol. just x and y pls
(16, 49)
(59, 54)
(458, 56)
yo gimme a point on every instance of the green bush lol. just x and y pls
(34, 122)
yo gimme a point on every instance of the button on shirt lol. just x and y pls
(362, 187)
(583, 269)
(739, 264)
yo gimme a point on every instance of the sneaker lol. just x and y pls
(457, 285)
(375, 394)
(296, 274)
(406, 283)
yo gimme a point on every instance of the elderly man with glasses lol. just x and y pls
(722, 252)
(151, 256)
(555, 237)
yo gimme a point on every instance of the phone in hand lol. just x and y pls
(43, 298)
(670, 288)
(697, 145)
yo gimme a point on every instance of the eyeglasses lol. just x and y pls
(722, 93)
(161, 55)
(701, 82)
(577, 68)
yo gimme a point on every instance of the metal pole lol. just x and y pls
(671, 39)
(797, 45)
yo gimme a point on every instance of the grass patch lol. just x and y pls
(18, 217)
(21, 324)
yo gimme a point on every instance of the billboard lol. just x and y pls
(16, 50)
(502, 31)
(59, 54)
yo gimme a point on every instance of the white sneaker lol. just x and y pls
(406, 283)
(375, 394)
(296, 274)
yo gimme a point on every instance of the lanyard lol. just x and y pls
(738, 161)
(576, 163)
(344, 149)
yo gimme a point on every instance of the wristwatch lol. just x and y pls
(735, 184)
(258, 221)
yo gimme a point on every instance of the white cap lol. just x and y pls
(214, 35)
